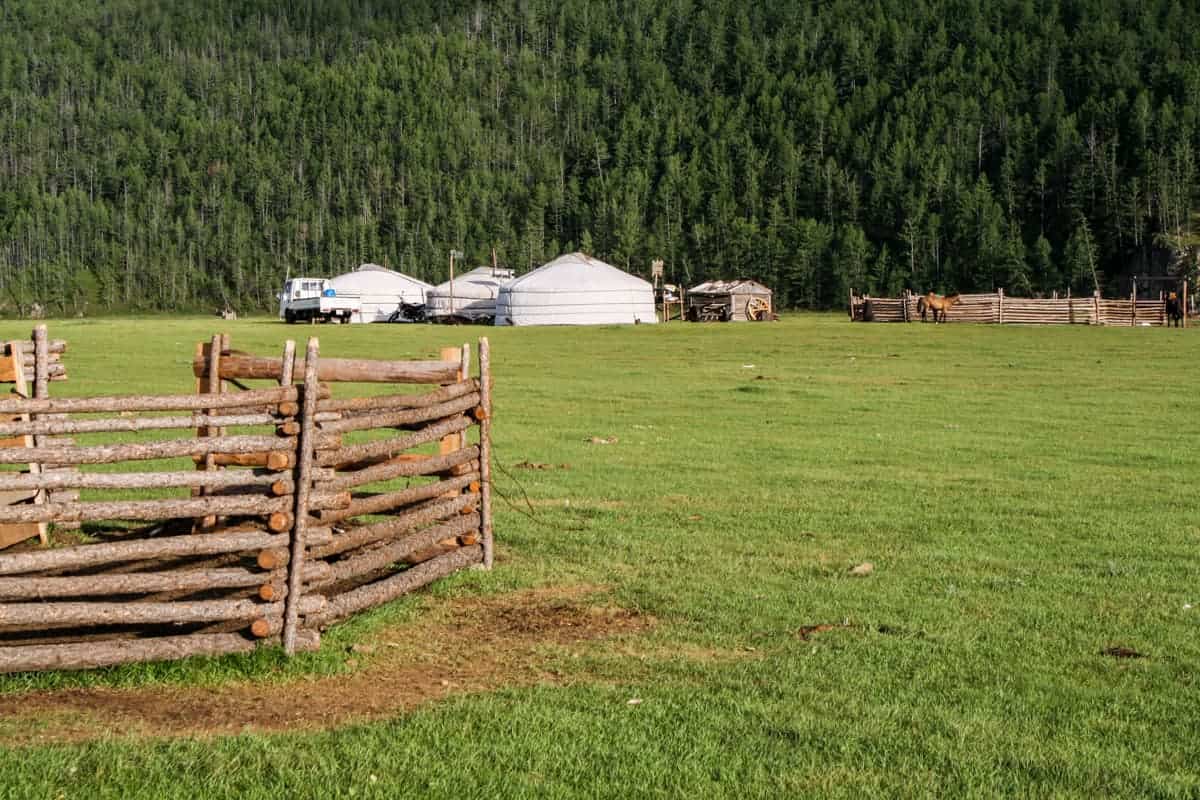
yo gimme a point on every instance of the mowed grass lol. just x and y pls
(1026, 496)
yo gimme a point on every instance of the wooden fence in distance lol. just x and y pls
(289, 519)
(1001, 309)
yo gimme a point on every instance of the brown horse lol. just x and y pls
(937, 304)
(1174, 310)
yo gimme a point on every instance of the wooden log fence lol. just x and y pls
(1000, 308)
(305, 503)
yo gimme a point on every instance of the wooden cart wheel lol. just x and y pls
(757, 309)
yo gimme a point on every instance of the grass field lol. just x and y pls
(1026, 496)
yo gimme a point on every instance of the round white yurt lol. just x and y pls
(470, 296)
(379, 290)
(576, 290)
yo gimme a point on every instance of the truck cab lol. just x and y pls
(314, 299)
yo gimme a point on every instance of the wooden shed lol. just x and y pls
(730, 301)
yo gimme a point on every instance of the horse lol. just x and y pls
(937, 304)
(1174, 310)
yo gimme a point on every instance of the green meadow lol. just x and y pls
(1025, 495)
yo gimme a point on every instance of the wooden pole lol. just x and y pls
(93, 555)
(374, 594)
(187, 402)
(307, 448)
(1185, 302)
(485, 451)
(390, 470)
(1096, 306)
(17, 351)
(241, 480)
(387, 501)
(131, 583)
(389, 448)
(399, 551)
(406, 416)
(1000, 305)
(407, 521)
(90, 655)
(174, 448)
(396, 402)
(243, 367)
(249, 505)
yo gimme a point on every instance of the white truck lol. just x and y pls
(309, 299)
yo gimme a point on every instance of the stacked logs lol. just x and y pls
(1000, 308)
(291, 519)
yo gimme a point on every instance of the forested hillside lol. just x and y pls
(181, 155)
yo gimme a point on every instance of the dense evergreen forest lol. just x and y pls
(183, 155)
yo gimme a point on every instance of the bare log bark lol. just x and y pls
(410, 520)
(399, 551)
(388, 448)
(89, 555)
(410, 416)
(306, 450)
(142, 613)
(176, 448)
(400, 469)
(387, 501)
(143, 480)
(90, 655)
(374, 594)
(336, 369)
(485, 451)
(146, 509)
(355, 405)
(134, 583)
(185, 402)
(59, 427)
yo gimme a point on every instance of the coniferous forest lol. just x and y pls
(184, 155)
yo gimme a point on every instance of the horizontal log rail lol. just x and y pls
(185, 402)
(147, 582)
(411, 519)
(390, 470)
(174, 448)
(389, 448)
(150, 509)
(410, 416)
(58, 427)
(411, 579)
(242, 367)
(354, 405)
(398, 551)
(235, 479)
(140, 613)
(390, 501)
(88, 555)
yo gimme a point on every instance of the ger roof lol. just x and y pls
(577, 272)
(729, 287)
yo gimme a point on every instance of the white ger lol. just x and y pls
(470, 297)
(370, 293)
(576, 289)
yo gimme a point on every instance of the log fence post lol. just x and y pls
(1000, 306)
(303, 480)
(485, 451)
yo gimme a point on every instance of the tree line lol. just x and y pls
(177, 156)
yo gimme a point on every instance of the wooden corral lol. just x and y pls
(1001, 309)
(730, 301)
(289, 520)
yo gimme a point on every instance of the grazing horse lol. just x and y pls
(937, 304)
(1174, 310)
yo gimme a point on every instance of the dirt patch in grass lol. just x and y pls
(465, 645)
